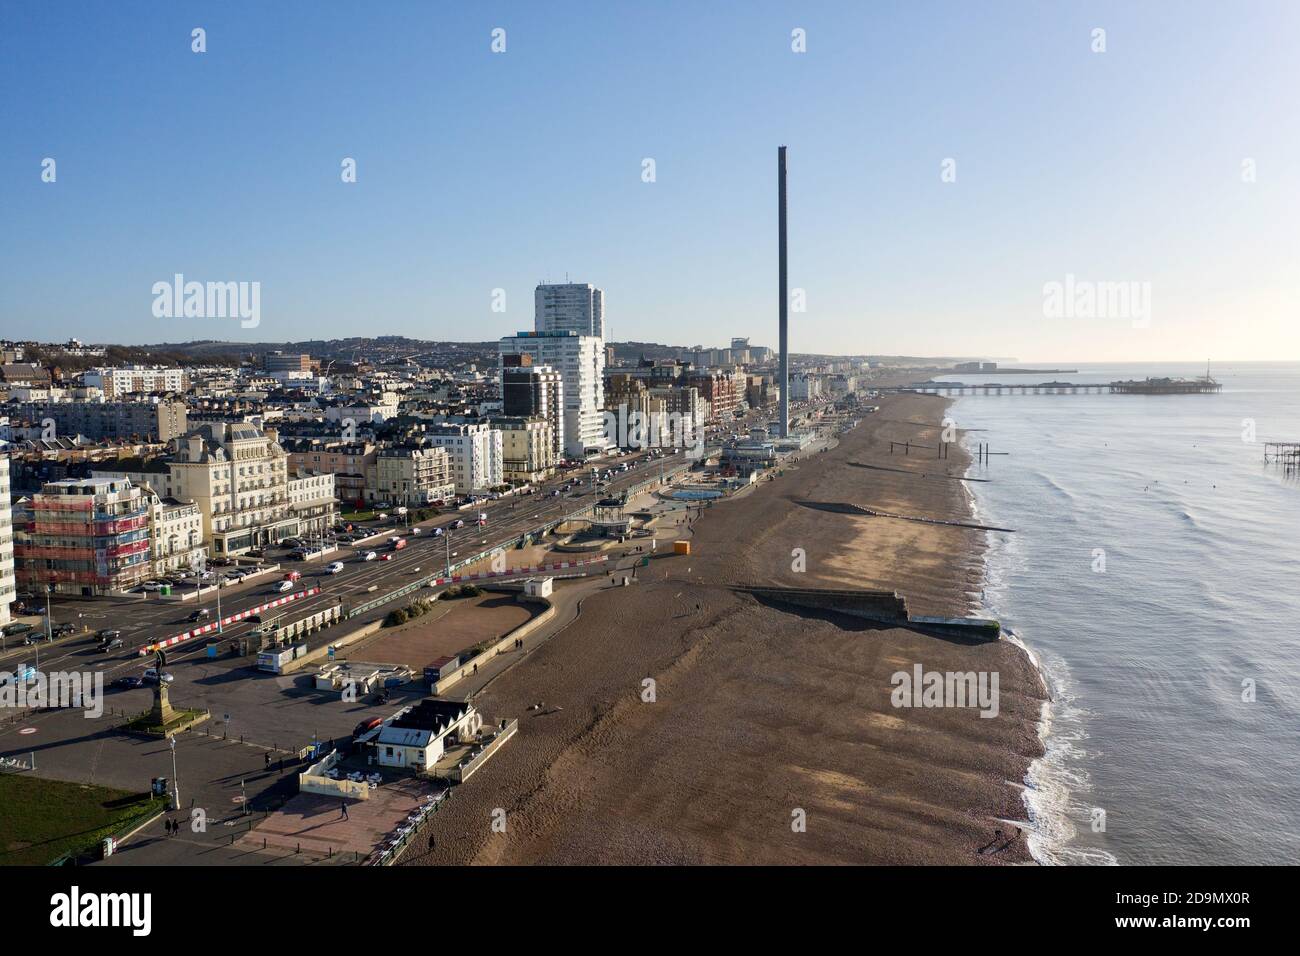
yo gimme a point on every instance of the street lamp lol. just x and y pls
(176, 780)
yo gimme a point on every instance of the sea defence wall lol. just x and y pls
(886, 607)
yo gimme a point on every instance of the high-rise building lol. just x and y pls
(571, 307)
(580, 360)
(534, 391)
(8, 585)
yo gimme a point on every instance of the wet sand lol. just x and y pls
(763, 714)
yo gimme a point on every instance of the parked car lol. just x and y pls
(366, 726)
(67, 627)
(18, 627)
(152, 585)
(334, 568)
(151, 676)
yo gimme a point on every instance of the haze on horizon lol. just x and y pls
(1168, 160)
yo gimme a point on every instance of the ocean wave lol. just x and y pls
(1055, 779)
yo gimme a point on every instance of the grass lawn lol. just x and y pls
(355, 516)
(40, 820)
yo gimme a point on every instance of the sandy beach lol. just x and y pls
(765, 715)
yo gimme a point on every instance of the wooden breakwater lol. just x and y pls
(844, 507)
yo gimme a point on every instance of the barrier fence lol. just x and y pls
(213, 626)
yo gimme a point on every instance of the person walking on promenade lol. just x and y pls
(343, 809)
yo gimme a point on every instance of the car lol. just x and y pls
(366, 725)
(22, 674)
(334, 567)
(18, 627)
(387, 556)
(152, 676)
(438, 532)
(415, 531)
(198, 614)
(293, 575)
(152, 586)
(67, 627)
(285, 586)
(110, 645)
(107, 634)
(127, 682)
(369, 556)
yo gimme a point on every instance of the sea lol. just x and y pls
(1154, 575)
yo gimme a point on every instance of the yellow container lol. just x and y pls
(681, 547)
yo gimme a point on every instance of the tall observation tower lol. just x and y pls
(783, 380)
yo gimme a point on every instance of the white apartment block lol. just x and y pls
(134, 378)
(580, 360)
(473, 453)
(176, 534)
(8, 586)
(570, 307)
(312, 500)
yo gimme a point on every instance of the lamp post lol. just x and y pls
(176, 780)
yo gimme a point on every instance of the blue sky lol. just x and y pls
(479, 171)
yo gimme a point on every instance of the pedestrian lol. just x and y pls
(267, 755)
(343, 805)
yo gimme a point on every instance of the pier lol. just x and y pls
(1284, 453)
(1144, 387)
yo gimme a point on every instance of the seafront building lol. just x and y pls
(414, 476)
(8, 582)
(527, 449)
(86, 536)
(534, 391)
(238, 476)
(580, 361)
(312, 502)
(474, 451)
